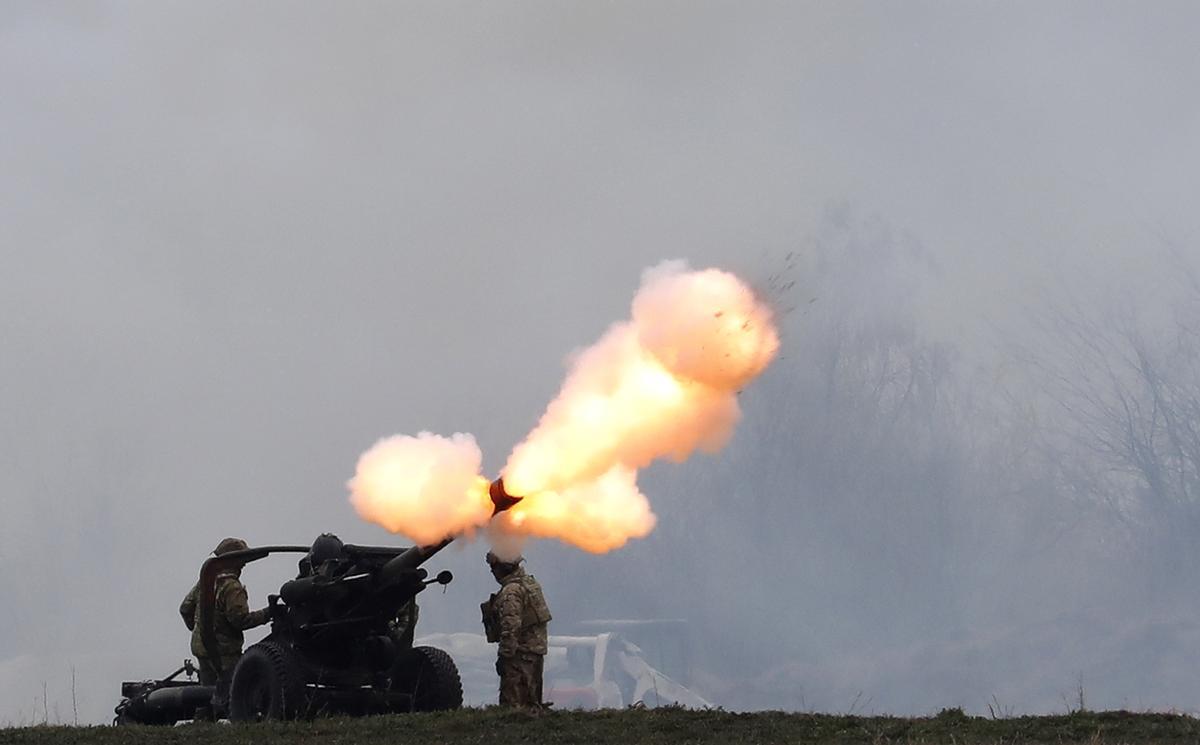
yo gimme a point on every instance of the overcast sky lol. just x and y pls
(239, 242)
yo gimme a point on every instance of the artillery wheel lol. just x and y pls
(430, 677)
(267, 684)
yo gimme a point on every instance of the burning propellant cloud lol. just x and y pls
(427, 487)
(662, 384)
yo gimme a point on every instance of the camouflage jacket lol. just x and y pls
(517, 615)
(232, 615)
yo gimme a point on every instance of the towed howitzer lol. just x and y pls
(333, 645)
(346, 593)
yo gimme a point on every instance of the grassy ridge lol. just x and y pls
(650, 727)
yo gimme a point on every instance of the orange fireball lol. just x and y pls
(658, 386)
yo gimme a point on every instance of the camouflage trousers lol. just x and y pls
(521, 679)
(209, 677)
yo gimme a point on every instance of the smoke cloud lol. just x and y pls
(661, 385)
(427, 487)
(597, 516)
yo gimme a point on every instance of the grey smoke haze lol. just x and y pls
(239, 243)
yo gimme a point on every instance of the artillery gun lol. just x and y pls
(332, 646)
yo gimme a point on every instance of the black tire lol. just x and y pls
(267, 684)
(430, 677)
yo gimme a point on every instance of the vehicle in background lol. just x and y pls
(666, 643)
(600, 671)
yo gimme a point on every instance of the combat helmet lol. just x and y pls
(494, 560)
(327, 547)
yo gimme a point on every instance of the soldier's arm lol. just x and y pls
(237, 608)
(406, 617)
(508, 617)
(187, 608)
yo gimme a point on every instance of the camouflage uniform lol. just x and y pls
(232, 615)
(517, 618)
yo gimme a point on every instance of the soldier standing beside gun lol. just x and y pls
(516, 616)
(232, 615)
(403, 628)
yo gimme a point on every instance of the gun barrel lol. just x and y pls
(418, 555)
(409, 560)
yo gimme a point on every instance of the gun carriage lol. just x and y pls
(332, 647)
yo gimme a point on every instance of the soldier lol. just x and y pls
(516, 617)
(403, 628)
(325, 557)
(231, 616)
